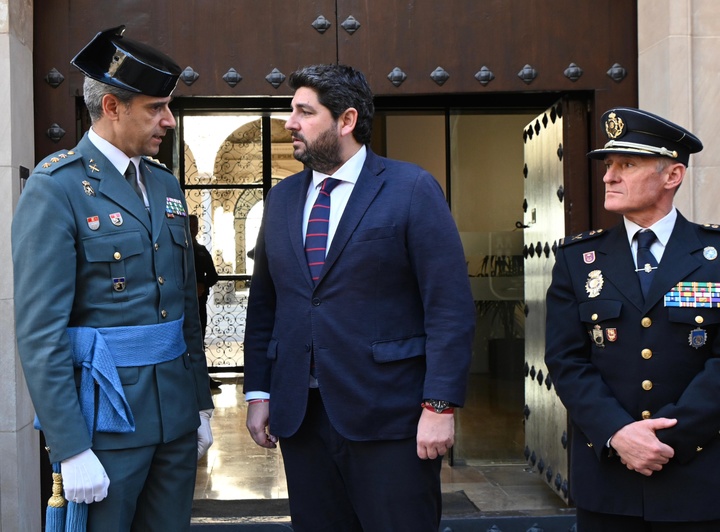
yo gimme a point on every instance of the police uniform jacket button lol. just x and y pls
(163, 313)
(646, 322)
(647, 354)
(699, 319)
(161, 280)
(646, 414)
(647, 385)
(594, 317)
(157, 246)
(117, 255)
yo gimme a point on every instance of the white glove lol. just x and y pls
(84, 478)
(204, 433)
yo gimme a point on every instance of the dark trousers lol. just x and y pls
(151, 488)
(338, 485)
(597, 522)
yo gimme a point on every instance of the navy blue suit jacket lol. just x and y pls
(391, 319)
(615, 358)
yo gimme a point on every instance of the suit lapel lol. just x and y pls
(677, 261)
(295, 210)
(157, 196)
(618, 263)
(366, 188)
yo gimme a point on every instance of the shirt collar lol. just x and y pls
(114, 154)
(350, 171)
(662, 228)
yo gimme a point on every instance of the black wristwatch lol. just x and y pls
(437, 405)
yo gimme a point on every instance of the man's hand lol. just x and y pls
(640, 449)
(258, 416)
(435, 435)
(204, 433)
(84, 478)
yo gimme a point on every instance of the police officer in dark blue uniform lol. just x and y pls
(633, 342)
(106, 308)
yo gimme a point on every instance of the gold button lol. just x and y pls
(157, 246)
(647, 385)
(646, 414)
(163, 313)
(646, 322)
(161, 280)
(594, 317)
(117, 255)
(646, 354)
(699, 319)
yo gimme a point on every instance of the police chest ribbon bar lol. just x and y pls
(174, 207)
(693, 294)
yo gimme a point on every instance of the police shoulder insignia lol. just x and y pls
(572, 239)
(155, 162)
(711, 227)
(57, 160)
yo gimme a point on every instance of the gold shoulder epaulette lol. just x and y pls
(571, 239)
(711, 227)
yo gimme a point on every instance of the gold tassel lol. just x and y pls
(57, 500)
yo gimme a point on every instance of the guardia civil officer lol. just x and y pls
(106, 307)
(633, 340)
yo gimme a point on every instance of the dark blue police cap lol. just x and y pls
(130, 65)
(635, 132)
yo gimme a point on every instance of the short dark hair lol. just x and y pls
(340, 87)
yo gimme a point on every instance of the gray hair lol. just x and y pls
(93, 92)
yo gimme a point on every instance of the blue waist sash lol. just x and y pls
(99, 352)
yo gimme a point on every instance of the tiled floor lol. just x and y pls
(236, 468)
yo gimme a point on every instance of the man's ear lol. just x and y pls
(347, 121)
(676, 174)
(111, 106)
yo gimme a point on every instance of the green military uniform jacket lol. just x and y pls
(86, 252)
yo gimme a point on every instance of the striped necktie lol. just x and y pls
(316, 235)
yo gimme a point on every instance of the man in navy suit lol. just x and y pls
(359, 334)
(106, 307)
(633, 342)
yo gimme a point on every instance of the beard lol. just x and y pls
(321, 155)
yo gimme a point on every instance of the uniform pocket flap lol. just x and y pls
(694, 315)
(113, 247)
(601, 310)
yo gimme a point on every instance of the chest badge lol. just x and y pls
(594, 283)
(697, 338)
(589, 257)
(710, 253)
(93, 222)
(88, 188)
(118, 284)
(116, 219)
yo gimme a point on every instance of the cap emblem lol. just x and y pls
(614, 126)
(117, 61)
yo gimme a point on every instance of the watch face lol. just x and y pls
(438, 405)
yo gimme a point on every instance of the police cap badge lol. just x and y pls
(635, 132)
